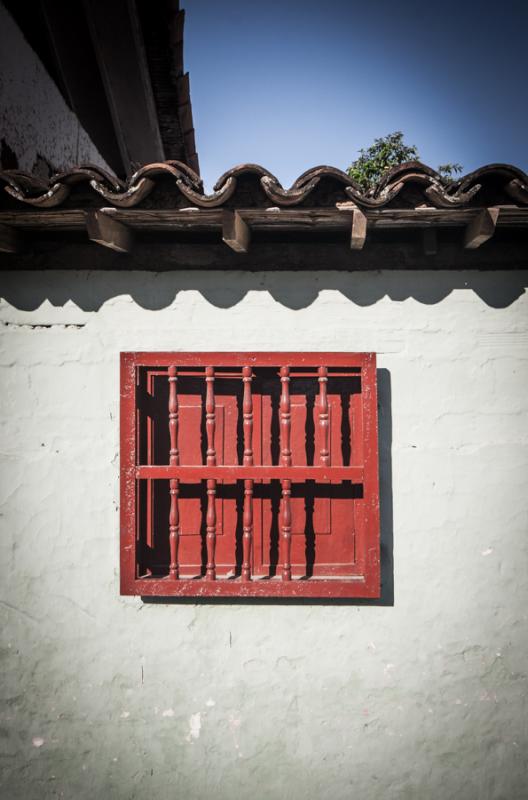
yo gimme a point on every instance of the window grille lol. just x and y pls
(249, 474)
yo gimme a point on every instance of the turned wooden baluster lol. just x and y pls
(247, 519)
(286, 460)
(210, 419)
(210, 520)
(247, 524)
(286, 528)
(247, 413)
(324, 452)
(285, 418)
(174, 460)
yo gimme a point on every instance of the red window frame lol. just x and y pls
(344, 496)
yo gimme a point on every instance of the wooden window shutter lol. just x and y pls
(249, 474)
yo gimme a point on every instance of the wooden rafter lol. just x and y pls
(359, 230)
(358, 233)
(119, 48)
(481, 228)
(108, 232)
(235, 232)
(76, 63)
(289, 238)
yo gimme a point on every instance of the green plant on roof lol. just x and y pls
(384, 154)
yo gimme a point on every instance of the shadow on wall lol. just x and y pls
(386, 527)
(27, 290)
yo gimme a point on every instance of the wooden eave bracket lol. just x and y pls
(9, 239)
(358, 233)
(481, 228)
(236, 233)
(108, 232)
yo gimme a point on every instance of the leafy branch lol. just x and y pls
(387, 152)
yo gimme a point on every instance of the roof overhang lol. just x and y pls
(119, 67)
(161, 218)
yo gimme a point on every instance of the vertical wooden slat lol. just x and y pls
(146, 382)
(370, 541)
(128, 461)
(174, 460)
(324, 425)
(247, 521)
(210, 522)
(286, 461)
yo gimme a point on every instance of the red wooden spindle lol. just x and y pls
(285, 417)
(247, 525)
(324, 453)
(210, 522)
(174, 454)
(247, 412)
(286, 528)
(210, 420)
(286, 461)
(174, 484)
(247, 520)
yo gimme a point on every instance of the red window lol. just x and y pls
(250, 474)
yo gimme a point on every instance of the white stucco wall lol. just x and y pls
(34, 119)
(105, 696)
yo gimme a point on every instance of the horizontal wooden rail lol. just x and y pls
(352, 372)
(234, 472)
(342, 361)
(328, 587)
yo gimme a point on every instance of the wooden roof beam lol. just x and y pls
(76, 62)
(481, 228)
(108, 232)
(236, 233)
(120, 51)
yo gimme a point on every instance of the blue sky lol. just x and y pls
(291, 85)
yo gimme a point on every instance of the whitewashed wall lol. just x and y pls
(423, 699)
